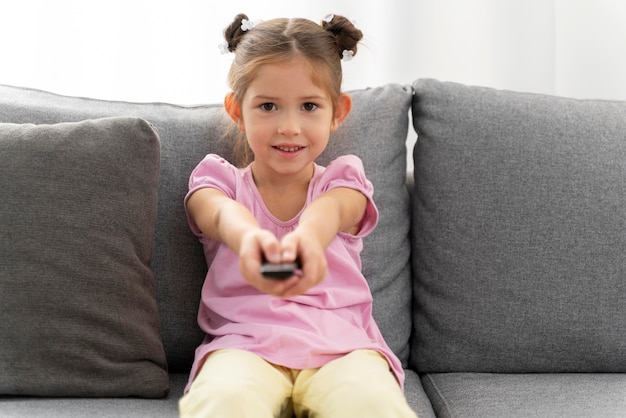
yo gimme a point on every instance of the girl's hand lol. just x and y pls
(339, 209)
(257, 244)
(303, 246)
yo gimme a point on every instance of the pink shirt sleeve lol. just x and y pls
(347, 171)
(213, 172)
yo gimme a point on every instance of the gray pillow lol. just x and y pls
(187, 133)
(78, 313)
(519, 232)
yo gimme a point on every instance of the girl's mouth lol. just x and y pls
(293, 148)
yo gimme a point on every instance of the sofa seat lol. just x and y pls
(545, 395)
(32, 407)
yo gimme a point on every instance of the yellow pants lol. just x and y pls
(236, 383)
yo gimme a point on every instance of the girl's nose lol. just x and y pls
(289, 125)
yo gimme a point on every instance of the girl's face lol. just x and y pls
(288, 119)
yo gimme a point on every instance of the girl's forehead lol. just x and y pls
(297, 69)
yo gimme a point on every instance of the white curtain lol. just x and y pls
(152, 50)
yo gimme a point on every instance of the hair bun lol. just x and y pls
(346, 34)
(234, 32)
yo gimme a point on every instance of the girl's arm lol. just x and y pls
(221, 218)
(338, 210)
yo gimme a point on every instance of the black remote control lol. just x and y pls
(279, 271)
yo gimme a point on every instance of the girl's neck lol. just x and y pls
(285, 195)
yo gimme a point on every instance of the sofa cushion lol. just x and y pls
(375, 130)
(519, 231)
(187, 133)
(78, 313)
(127, 407)
(545, 395)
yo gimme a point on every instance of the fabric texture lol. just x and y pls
(186, 135)
(375, 131)
(520, 236)
(485, 395)
(78, 313)
(306, 331)
(127, 407)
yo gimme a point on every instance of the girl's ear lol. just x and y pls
(342, 110)
(233, 108)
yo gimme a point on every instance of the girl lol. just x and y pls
(306, 345)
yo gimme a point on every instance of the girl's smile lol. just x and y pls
(289, 151)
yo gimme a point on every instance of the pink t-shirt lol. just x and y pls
(302, 332)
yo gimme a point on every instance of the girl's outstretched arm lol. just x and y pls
(221, 218)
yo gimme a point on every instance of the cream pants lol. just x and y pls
(236, 383)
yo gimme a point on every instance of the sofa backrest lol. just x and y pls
(520, 232)
(375, 130)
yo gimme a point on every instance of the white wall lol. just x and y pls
(590, 44)
(166, 50)
(502, 44)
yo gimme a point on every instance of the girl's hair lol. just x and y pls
(280, 40)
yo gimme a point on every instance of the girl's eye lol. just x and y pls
(309, 107)
(268, 107)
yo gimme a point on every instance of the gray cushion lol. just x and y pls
(415, 395)
(375, 130)
(484, 395)
(128, 407)
(78, 313)
(187, 134)
(520, 232)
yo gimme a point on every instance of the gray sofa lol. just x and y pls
(497, 267)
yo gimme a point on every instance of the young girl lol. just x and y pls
(306, 345)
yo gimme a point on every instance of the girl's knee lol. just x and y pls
(228, 400)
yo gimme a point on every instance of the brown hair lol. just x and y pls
(280, 40)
